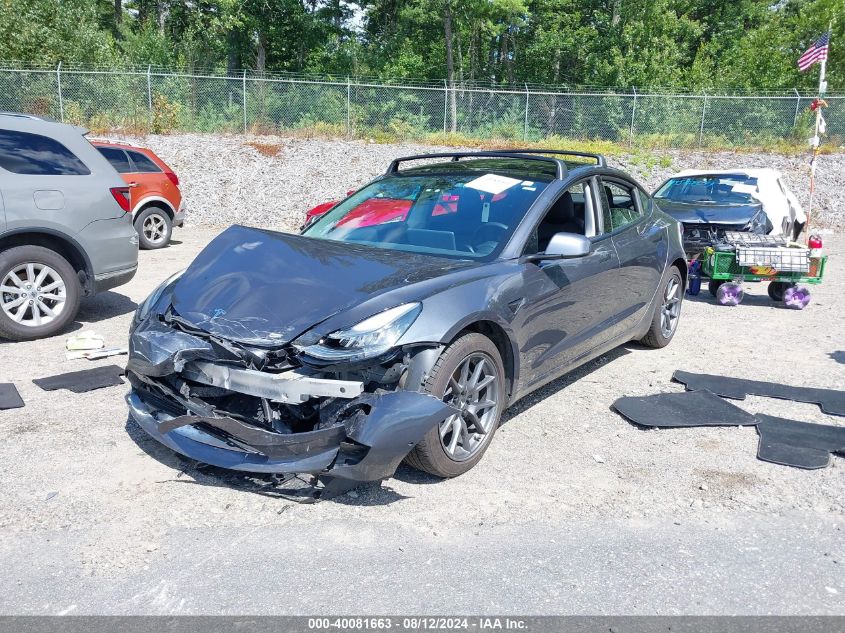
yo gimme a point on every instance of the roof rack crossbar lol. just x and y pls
(456, 156)
(601, 161)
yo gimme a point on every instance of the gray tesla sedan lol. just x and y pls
(403, 322)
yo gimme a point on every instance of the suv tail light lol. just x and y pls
(121, 195)
(173, 177)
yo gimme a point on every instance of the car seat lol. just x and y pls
(561, 218)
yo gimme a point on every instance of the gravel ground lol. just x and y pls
(276, 179)
(91, 506)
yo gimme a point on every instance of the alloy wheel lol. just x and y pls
(32, 294)
(473, 389)
(154, 228)
(670, 311)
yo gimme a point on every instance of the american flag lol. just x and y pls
(816, 53)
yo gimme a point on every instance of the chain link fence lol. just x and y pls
(147, 100)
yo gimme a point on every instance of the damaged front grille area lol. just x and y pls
(205, 399)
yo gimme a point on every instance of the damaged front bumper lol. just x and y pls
(368, 446)
(354, 436)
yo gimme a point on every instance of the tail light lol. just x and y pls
(121, 195)
(814, 242)
(173, 177)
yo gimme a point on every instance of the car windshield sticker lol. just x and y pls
(491, 183)
(741, 188)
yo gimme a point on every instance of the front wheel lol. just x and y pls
(713, 286)
(667, 311)
(470, 376)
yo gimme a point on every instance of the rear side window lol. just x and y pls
(36, 155)
(117, 158)
(619, 206)
(143, 165)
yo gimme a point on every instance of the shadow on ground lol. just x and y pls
(104, 306)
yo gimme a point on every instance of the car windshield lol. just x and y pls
(712, 188)
(461, 210)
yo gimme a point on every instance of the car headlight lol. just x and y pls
(147, 304)
(760, 223)
(370, 338)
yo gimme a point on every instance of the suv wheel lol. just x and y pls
(470, 376)
(39, 293)
(154, 228)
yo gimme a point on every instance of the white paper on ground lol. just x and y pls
(85, 340)
(492, 183)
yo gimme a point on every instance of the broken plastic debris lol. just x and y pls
(85, 341)
(97, 353)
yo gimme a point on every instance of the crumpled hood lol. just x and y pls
(260, 286)
(738, 214)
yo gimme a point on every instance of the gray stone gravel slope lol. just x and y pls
(225, 180)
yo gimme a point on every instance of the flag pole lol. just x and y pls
(816, 140)
(823, 65)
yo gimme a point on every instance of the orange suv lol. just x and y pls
(155, 199)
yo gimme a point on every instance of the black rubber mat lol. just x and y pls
(687, 408)
(9, 396)
(831, 401)
(82, 381)
(799, 444)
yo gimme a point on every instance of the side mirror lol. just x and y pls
(564, 246)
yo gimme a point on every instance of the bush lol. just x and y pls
(165, 115)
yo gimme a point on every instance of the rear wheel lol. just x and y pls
(154, 227)
(776, 290)
(667, 311)
(39, 293)
(470, 376)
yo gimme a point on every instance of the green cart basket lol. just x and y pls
(749, 257)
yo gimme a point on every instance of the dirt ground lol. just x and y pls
(74, 468)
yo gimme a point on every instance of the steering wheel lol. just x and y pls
(489, 232)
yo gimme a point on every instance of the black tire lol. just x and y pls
(659, 333)
(713, 286)
(776, 290)
(154, 228)
(13, 259)
(430, 455)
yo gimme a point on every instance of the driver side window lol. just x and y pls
(566, 215)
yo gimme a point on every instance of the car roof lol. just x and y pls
(23, 118)
(755, 172)
(108, 142)
(533, 163)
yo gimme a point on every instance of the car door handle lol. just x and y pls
(602, 256)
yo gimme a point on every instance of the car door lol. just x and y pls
(641, 243)
(144, 179)
(568, 302)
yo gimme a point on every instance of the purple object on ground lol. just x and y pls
(729, 294)
(796, 297)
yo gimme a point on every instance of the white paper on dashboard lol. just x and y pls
(743, 188)
(491, 183)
